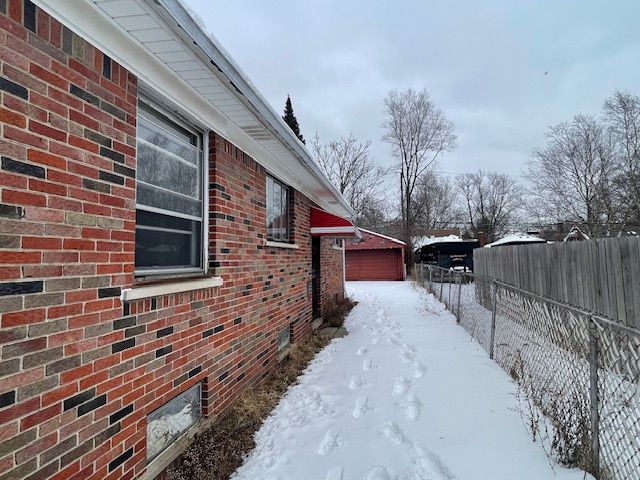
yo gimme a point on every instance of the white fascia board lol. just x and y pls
(330, 230)
(249, 95)
(382, 236)
(87, 20)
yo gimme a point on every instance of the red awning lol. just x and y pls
(325, 224)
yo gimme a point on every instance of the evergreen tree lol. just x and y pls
(290, 119)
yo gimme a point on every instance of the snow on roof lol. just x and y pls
(419, 242)
(516, 238)
(575, 232)
(382, 236)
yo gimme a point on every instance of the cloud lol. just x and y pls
(483, 63)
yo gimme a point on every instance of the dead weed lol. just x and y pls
(217, 452)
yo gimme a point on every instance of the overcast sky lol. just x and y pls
(482, 62)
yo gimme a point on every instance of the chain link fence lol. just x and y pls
(578, 374)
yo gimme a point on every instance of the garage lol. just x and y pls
(375, 257)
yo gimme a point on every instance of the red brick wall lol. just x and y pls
(79, 371)
(331, 283)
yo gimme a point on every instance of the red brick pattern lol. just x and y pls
(80, 371)
(331, 281)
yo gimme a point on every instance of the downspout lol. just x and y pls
(344, 270)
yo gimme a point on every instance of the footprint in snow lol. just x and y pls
(368, 365)
(401, 386)
(357, 382)
(407, 356)
(362, 350)
(394, 433)
(360, 407)
(394, 340)
(378, 473)
(375, 340)
(419, 371)
(429, 463)
(330, 441)
(412, 408)
(334, 474)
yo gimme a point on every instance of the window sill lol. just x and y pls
(179, 286)
(337, 248)
(270, 243)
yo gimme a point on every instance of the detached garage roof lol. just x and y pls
(374, 241)
(163, 44)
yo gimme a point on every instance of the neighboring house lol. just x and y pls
(157, 251)
(375, 257)
(516, 239)
(449, 251)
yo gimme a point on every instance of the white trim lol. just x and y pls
(382, 236)
(297, 168)
(328, 230)
(178, 286)
(271, 243)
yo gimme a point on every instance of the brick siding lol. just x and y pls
(80, 370)
(331, 282)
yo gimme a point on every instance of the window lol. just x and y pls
(169, 194)
(277, 211)
(172, 419)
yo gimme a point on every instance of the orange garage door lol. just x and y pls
(374, 264)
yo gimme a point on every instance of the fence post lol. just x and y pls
(459, 295)
(430, 280)
(594, 397)
(441, 283)
(449, 296)
(494, 288)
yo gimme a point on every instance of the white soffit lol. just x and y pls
(135, 35)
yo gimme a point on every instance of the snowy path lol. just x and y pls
(405, 396)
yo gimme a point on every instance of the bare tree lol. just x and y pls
(622, 115)
(348, 164)
(418, 133)
(435, 202)
(571, 174)
(491, 200)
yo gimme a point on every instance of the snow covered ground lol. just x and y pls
(407, 395)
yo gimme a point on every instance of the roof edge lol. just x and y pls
(247, 92)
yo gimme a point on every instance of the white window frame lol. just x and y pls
(175, 114)
(289, 229)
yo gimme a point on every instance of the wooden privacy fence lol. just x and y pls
(602, 276)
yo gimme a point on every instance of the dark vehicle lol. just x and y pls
(457, 255)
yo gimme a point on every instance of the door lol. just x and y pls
(315, 276)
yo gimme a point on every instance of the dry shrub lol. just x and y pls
(218, 451)
(560, 419)
(337, 312)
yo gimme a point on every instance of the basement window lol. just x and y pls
(278, 223)
(283, 340)
(172, 419)
(169, 194)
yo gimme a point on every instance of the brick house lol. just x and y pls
(157, 247)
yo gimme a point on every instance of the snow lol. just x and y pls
(575, 232)
(382, 236)
(407, 395)
(165, 428)
(516, 237)
(419, 242)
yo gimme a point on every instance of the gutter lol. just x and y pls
(219, 59)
